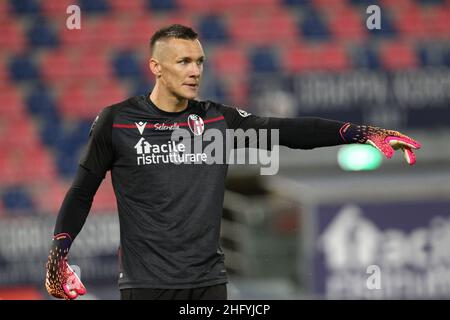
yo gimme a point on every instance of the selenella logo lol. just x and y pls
(196, 124)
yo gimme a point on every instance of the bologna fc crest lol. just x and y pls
(196, 124)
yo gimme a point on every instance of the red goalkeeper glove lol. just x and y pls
(386, 141)
(61, 281)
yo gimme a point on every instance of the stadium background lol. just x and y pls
(312, 230)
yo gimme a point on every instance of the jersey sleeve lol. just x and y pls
(296, 133)
(98, 154)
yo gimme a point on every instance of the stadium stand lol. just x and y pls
(54, 81)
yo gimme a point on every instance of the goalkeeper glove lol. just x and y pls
(386, 141)
(61, 281)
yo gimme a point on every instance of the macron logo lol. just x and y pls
(141, 126)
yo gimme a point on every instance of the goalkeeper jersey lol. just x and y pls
(169, 198)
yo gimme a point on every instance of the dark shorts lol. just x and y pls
(216, 292)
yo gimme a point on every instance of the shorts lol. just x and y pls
(215, 292)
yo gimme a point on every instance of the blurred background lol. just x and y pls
(322, 227)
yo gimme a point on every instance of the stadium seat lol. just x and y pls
(94, 7)
(173, 17)
(48, 196)
(42, 35)
(264, 60)
(438, 22)
(296, 3)
(161, 5)
(105, 200)
(387, 30)
(347, 25)
(140, 30)
(212, 29)
(272, 27)
(22, 67)
(332, 57)
(58, 65)
(228, 60)
(134, 7)
(17, 200)
(40, 103)
(126, 65)
(397, 55)
(365, 57)
(11, 102)
(110, 29)
(92, 63)
(312, 27)
(12, 36)
(54, 9)
(26, 7)
(411, 23)
(300, 58)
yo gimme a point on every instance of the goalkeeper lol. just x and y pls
(170, 214)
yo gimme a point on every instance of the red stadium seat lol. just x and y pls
(229, 61)
(140, 30)
(108, 93)
(11, 102)
(58, 65)
(74, 102)
(176, 17)
(396, 5)
(397, 55)
(93, 63)
(111, 30)
(333, 57)
(130, 7)
(77, 38)
(411, 23)
(438, 22)
(329, 5)
(12, 35)
(300, 58)
(49, 195)
(222, 6)
(105, 200)
(84, 100)
(347, 24)
(56, 8)
(260, 29)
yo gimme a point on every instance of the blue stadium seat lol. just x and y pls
(365, 3)
(40, 103)
(126, 65)
(17, 198)
(94, 7)
(365, 57)
(42, 35)
(66, 164)
(22, 68)
(432, 56)
(296, 3)
(25, 6)
(161, 5)
(313, 27)
(387, 30)
(212, 29)
(52, 131)
(264, 60)
(142, 86)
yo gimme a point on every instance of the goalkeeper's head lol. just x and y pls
(177, 61)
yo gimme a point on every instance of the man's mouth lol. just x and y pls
(192, 85)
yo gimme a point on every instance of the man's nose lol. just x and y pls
(196, 70)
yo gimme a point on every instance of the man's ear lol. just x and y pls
(155, 67)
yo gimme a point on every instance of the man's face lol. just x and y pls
(180, 66)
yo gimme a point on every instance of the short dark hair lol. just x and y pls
(176, 31)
